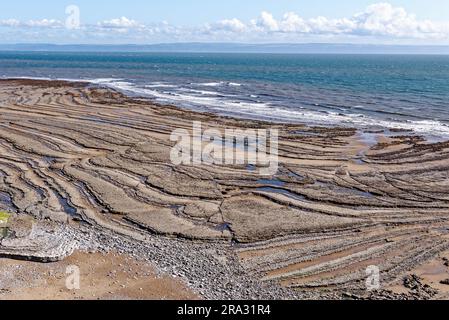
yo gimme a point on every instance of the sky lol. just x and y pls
(251, 21)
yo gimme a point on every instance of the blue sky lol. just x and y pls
(146, 21)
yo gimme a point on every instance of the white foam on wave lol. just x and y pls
(213, 103)
(201, 92)
(217, 84)
(230, 105)
(266, 111)
(160, 85)
(102, 80)
(209, 84)
(423, 127)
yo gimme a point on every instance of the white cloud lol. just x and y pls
(294, 23)
(232, 25)
(9, 23)
(378, 20)
(46, 23)
(122, 22)
(267, 22)
(381, 21)
(384, 19)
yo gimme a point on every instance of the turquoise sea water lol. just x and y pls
(397, 91)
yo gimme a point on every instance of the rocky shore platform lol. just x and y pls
(87, 169)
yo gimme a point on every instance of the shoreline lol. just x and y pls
(390, 128)
(346, 201)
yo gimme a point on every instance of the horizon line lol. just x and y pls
(227, 43)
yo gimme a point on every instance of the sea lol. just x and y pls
(405, 92)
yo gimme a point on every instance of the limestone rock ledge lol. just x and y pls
(45, 241)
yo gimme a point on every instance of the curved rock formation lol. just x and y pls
(337, 204)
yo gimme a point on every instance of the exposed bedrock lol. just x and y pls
(82, 153)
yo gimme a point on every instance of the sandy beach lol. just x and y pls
(87, 169)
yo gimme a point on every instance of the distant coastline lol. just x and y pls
(280, 48)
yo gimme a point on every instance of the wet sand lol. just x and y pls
(102, 277)
(342, 200)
